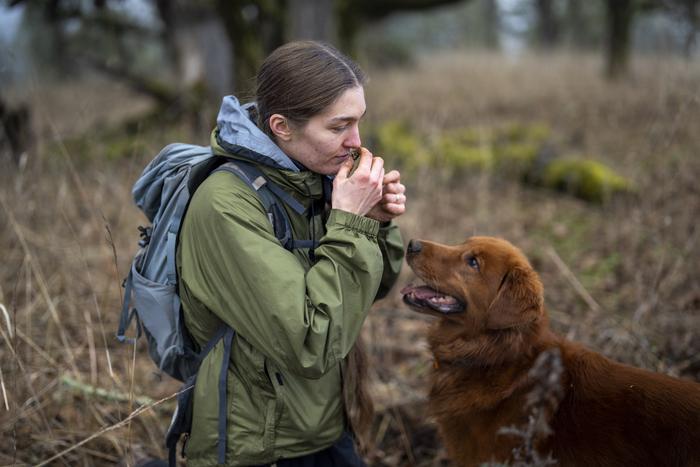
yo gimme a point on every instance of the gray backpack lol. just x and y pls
(163, 192)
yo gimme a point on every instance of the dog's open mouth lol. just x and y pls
(423, 296)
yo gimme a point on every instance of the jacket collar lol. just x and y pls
(238, 137)
(237, 131)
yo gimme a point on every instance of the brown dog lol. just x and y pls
(491, 329)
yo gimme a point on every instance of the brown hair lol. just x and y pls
(301, 79)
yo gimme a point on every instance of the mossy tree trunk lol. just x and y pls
(254, 28)
(620, 14)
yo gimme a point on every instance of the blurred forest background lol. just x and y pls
(569, 127)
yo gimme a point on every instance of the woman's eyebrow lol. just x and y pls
(347, 118)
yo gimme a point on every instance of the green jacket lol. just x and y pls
(295, 320)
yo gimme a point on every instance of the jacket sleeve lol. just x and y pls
(391, 246)
(305, 320)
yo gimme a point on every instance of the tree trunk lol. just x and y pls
(692, 14)
(576, 23)
(15, 130)
(547, 24)
(200, 63)
(254, 29)
(312, 19)
(349, 21)
(620, 14)
(492, 24)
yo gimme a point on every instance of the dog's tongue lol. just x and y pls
(422, 292)
(423, 296)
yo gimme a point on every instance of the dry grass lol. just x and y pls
(621, 278)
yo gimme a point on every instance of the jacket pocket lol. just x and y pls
(275, 406)
(251, 407)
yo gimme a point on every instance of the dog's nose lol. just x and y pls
(414, 246)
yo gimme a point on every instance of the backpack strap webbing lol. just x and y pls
(269, 194)
(182, 418)
(125, 317)
(223, 394)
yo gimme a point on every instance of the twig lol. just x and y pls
(110, 241)
(594, 306)
(91, 390)
(39, 350)
(7, 320)
(128, 419)
(575, 283)
(404, 437)
(12, 335)
(131, 397)
(4, 392)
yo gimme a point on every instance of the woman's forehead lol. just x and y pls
(350, 106)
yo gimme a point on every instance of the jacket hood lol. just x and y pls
(237, 133)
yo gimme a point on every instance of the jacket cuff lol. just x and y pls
(360, 224)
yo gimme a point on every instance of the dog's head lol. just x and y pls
(485, 282)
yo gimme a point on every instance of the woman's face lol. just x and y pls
(325, 141)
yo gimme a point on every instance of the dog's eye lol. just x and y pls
(472, 262)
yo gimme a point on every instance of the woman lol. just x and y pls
(297, 313)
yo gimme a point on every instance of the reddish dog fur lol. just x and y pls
(486, 341)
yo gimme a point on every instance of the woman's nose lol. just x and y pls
(353, 138)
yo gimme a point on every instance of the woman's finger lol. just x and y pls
(392, 177)
(377, 172)
(394, 188)
(393, 198)
(366, 161)
(394, 209)
(344, 170)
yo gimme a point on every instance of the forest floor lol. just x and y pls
(620, 277)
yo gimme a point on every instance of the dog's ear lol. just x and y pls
(519, 300)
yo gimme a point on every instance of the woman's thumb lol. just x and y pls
(344, 169)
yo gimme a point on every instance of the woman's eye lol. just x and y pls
(473, 263)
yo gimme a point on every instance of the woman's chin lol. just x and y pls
(331, 168)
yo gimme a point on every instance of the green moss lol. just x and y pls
(398, 144)
(473, 136)
(584, 178)
(511, 149)
(517, 158)
(519, 132)
(452, 152)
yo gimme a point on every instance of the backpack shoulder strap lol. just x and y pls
(269, 194)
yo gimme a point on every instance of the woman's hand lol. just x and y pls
(393, 202)
(362, 191)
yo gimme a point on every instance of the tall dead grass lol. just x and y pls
(622, 278)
